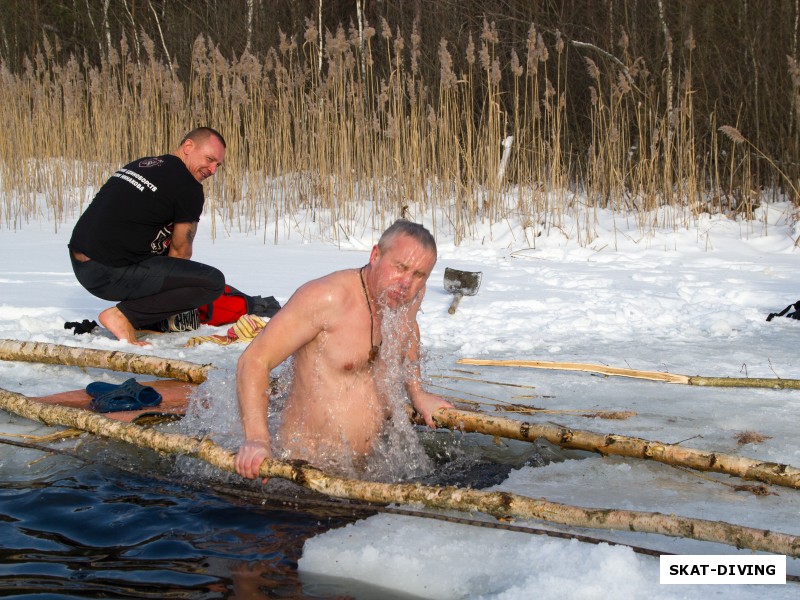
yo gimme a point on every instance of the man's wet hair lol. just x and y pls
(412, 230)
(201, 134)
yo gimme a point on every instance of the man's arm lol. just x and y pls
(294, 326)
(182, 239)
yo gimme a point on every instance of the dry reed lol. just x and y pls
(337, 148)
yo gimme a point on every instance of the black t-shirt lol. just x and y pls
(132, 216)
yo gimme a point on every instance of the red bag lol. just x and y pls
(233, 304)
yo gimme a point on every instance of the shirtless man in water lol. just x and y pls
(332, 327)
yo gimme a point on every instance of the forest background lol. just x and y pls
(343, 112)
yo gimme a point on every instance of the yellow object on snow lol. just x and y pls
(244, 330)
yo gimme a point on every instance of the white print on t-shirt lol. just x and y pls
(129, 176)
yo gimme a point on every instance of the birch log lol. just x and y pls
(602, 443)
(698, 380)
(497, 504)
(619, 445)
(141, 364)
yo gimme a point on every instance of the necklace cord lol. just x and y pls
(373, 350)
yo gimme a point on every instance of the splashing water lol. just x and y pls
(401, 451)
(394, 451)
(398, 453)
(213, 413)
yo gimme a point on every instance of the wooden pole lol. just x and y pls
(55, 354)
(755, 382)
(497, 504)
(619, 445)
(602, 443)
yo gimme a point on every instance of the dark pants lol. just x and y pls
(153, 289)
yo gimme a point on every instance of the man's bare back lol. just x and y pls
(336, 406)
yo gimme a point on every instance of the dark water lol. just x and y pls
(95, 534)
(106, 523)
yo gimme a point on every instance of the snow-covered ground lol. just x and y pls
(689, 301)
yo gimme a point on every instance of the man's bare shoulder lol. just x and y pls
(335, 289)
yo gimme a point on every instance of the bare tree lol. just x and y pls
(135, 34)
(360, 19)
(161, 35)
(94, 28)
(106, 27)
(249, 25)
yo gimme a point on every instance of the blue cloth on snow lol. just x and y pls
(130, 395)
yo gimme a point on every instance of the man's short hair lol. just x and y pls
(201, 134)
(412, 230)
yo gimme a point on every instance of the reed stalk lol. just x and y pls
(345, 148)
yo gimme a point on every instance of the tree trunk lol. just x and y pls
(697, 380)
(161, 35)
(106, 28)
(497, 504)
(602, 443)
(620, 445)
(54, 354)
(249, 25)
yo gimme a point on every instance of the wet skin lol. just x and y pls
(334, 405)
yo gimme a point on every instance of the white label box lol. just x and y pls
(723, 569)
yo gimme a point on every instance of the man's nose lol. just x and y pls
(212, 168)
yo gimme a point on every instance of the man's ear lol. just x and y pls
(187, 146)
(374, 253)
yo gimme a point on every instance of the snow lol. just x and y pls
(690, 300)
